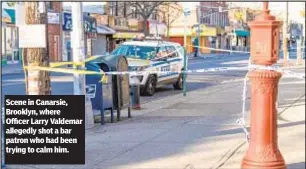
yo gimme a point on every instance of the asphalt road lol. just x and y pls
(62, 84)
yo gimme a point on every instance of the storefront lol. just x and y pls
(102, 44)
(241, 40)
(176, 34)
(122, 36)
(208, 38)
(10, 49)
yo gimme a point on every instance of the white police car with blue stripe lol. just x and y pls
(146, 56)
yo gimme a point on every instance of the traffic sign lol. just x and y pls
(187, 11)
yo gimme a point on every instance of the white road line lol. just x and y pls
(12, 84)
(294, 82)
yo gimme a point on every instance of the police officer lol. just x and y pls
(196, 46)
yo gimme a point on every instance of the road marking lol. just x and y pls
(236, 62)
(232, 80)
(11, 84)
(294, 82)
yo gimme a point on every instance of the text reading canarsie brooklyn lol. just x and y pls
(38, 102)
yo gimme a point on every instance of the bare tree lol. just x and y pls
(38, 81)
(171, 12)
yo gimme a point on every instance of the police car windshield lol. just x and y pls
(138, 52)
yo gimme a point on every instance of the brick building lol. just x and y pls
(55, 30)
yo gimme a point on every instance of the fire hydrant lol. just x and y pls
(263, 152)
(135, 92)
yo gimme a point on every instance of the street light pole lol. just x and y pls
(199, 32)
(186, 13)
(78, 43)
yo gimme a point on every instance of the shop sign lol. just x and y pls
(179, 31)
(53, 18)
(26, 39)
(67, 22)
(90, 24)
(206, 31)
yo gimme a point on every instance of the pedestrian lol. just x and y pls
(196, 46)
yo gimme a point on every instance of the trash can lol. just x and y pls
(100, 93)
(135, 93)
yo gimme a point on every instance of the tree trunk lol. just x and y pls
(145, 28)
(168, 23)
(38, 81)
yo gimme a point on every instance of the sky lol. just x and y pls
(275, 7)
(85, 3)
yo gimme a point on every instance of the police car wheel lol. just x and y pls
(150, 87)
(179, 84)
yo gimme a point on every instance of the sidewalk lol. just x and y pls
(291, 138)
(12, 68)
(215, 55)
(197, 131)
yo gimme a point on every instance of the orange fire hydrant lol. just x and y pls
(263, 152)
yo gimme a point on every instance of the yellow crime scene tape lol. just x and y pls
(54, 67)
(71, 71)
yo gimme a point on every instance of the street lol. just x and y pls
(196, 131)
(62, 84)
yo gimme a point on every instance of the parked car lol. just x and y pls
(149, 55)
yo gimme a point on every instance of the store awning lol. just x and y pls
(179, 31)
(127, 35)
(8, 16)
(105, 30)
(242, 33)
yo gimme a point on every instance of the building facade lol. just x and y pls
(238, 30)
(55, 32)
(210, 14)
(128, 23)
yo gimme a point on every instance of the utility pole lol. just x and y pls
(285, 36)
(4, 31)
(199, 31)
(168, 22)
(78, 43)
(38, 81)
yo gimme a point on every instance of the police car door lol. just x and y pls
(162, 65)
(174, 61)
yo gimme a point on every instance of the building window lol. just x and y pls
(49, 5)
(124, 9)
(134, 12)
(116, 8)
(112, 8)
(154, 15)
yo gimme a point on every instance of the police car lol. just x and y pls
(166, 58)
